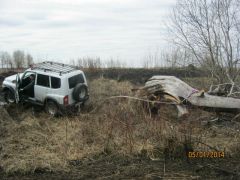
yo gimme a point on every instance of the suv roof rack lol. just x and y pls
(54, 67)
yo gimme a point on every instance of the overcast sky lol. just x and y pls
(62, 29)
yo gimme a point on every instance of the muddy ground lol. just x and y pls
(116, 141)
(123, 167)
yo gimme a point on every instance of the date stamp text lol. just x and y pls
(205, 154)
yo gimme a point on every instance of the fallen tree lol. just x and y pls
(170, 88)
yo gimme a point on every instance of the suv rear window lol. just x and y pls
(55, 82)
(43, 80)
(73, 81)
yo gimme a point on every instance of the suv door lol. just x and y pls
(17, 88)
(25, 80)
(42, 87)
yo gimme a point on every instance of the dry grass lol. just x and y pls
(117, 126)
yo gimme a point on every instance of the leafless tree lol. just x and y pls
(6, 60)
(173, 56)
(210, 30)
(88, 62)
(79, 62)
(3, 60)
(18, 57)
(72, 62)
(177, 57)
(151, 60)
(93, 63)
(111, 63)
(29, 59)
(114, 63)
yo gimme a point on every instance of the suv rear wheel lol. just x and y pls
(9, 96)
(51, 108)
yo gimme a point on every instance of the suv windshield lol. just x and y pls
(73, 81)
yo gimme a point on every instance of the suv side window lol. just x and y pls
(43, 80)
(55, 82)
(73, 81)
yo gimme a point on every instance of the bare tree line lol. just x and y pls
(172, 57)
(97, 63)
(18, 59)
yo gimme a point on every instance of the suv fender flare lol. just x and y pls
(5, 91)
(50, 99)
(9, 88)
(58, 110)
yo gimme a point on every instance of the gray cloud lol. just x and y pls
(10, 22)
(64, 29)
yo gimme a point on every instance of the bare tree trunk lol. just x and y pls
(180, 92)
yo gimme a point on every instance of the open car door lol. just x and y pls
(17, 88)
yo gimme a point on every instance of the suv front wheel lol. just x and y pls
(9, 96)
(52, 108)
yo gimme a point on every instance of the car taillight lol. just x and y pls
(65, 100)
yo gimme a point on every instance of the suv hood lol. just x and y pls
(12, 77)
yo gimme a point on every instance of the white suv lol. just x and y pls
(55, 86)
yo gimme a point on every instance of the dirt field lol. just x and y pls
(116, 139)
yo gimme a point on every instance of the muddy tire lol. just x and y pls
(80, 92)
(52, 108)
(9, 96)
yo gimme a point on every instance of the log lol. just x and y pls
(179, 91)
